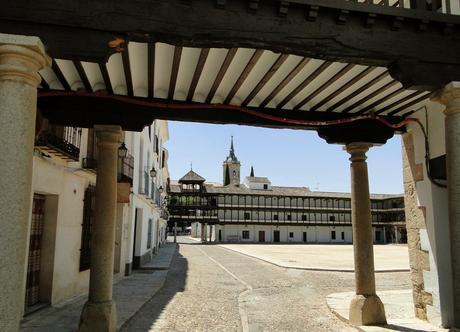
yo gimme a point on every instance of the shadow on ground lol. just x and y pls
(152, 309)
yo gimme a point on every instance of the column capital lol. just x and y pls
(21, 57)
(108, 135)
(449, 96)
(357, 150)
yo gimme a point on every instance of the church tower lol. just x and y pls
(231, 168)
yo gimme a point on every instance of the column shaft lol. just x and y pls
(175, 232)
(99, 313)
(20, 59)
(366, 308)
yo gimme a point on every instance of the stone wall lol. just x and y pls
(415, 221)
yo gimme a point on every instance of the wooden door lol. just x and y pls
(261, 236)
(276, 236)
(35, 243)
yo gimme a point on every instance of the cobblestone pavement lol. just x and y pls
(210, 288)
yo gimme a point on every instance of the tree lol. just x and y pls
(252, 172)
(227, 176)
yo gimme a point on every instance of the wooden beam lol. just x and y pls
(197, 74)
(318, 71)
(285, 81)
(337, 92)
(220, 75)
(201, 24)
(325, 85)
(358, 91)
(408, 105)
(244, 74)
(82, 73)
(127, 70)
(174, 71)
(268, 75)
(60, 76)
(371, 107)
(106, 77)
(151, 69)
(400, 101)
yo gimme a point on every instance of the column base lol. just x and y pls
(367, 310)
(98, 317)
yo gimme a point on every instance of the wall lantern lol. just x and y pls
(153, 172)
(122, 150)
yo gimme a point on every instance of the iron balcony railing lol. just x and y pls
(65, 140)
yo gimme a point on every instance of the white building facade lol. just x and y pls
(64, 179)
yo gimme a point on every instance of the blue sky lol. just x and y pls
(286, 157)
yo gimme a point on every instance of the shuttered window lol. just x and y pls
(88, 218)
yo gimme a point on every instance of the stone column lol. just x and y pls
(21, 58)
(210, 233)
(450, 97)
(175, 232)
(366, 307)
(99, 312)
(202, 232)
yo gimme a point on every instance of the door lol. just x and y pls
(220, 235)
(378, 236)
(261, 236)
(35, 244)
(276, 236)
(304, 237)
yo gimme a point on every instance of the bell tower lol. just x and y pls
(231, 168)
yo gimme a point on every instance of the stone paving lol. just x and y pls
(399, 310)
(210, 288)
(324, 257)
(130, 293)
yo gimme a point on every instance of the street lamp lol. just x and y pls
(153, 172)
(122, 150)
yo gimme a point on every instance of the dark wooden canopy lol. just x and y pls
(349, 68)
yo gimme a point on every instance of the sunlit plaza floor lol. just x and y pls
(332, 257)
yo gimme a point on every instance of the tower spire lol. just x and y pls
(232, 157)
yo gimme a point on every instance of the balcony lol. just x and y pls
(126, 170)
(63, 142)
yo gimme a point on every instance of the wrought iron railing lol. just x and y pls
(65, 140)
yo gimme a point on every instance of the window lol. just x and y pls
(291, 234)
(332, 235)
(304, 217)
(149, 234)
(275, 217)
(289, 217)
(343, 235)
(245, 234)
(265, 186)
(88, 217)
(331, 218)
(247, 216)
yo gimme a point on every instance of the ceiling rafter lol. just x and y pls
(60, 76)
(43, 83)
(400, 101)
(358, 91)
(325, 85)
(106, 77)
(244, 75)
(268, 75)
(285, 81)
(370, 108)
(197, 74)
(337, 92)
(127, 70)
(410, 104)
(318, 71)
(220, 75)
(174, 71)
(83, 76)
(150, 69)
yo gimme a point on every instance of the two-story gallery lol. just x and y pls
(256, 211)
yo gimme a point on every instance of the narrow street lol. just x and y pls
(210, 288)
